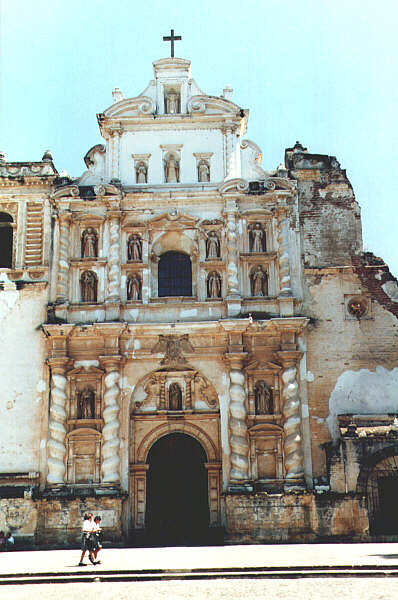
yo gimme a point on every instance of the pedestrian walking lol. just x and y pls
(98, 538)
(2, 541)
(88, 542)
(10, 541)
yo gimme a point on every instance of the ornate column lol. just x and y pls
(63, 256)
(229, 136)
(238, 435)
(293, 453)
(110, 434)
(113, 292)
(233, 292)
(57, 421)
(283, 255)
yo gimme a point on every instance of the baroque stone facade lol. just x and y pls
(184, 333)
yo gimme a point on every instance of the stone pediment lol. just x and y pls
(75, 191)
(212, 105)
(233, 186)
(91, 370)
(179, 221)
(256, 366)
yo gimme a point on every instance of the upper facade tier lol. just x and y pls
(173, 134)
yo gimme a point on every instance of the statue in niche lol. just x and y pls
(172, 103)
(263, 399)
(214, 285)
(172, 170)
(212, 245)
(133, 288)
(134, 247)
(89, 243)
(258, 282)
(175, 397)
(88, 286)
(141, 173)
(257, 238)
(85, 404)
(203, 171)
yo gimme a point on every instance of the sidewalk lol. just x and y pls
(213, 557)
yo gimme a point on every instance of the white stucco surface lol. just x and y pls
(363, 392)
(21, 376)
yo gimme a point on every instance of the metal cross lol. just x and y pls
(171, 38)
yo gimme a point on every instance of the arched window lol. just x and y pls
(174, 275)
(6, 235)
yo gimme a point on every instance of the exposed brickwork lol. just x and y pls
(373, 273)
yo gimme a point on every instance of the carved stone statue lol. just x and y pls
(134, 247)
(214, 285)
(263, 399)
(89, 243)
(141, 173)
(258, 282)
(172, 170)
(85, 404)
(203, 171)
(172, 103)
(257, 238)
(175, 397)
(212, 245)
(88, 286)
(134, 288)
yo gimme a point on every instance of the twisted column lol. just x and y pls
(239, 440)
(114, 260)
(232, 264)
(283, 256)
(293, 454)
(63, 256)
(110, 432)
(57, 422)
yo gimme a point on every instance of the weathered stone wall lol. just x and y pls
(350, 362)
(306, 517)
(22, 350)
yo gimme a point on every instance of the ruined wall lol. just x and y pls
(330, 219)
(352, 361)
(22, 350)
(295, 518)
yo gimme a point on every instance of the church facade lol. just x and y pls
(193, 346)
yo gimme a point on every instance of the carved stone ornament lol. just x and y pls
(357, 307)
(173, 346)
(258, 282)
(89, 243)
(212, 245)
(86, 404)
(257, 238)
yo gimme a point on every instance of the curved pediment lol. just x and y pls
(214, 105)
(174, 220)
(131, 107)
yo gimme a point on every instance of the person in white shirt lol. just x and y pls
(87, 542)
(98, 538)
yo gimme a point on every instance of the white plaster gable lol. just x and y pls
(251, 157)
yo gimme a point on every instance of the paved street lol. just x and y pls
(65, 561)
(279, 555)
(292, 589)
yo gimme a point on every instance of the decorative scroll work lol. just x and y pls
(63, 265)
(283, 254)
(173, 347)
(238, 426)
(57, 424)
(110, 433)
(114, 260)
(291, 418)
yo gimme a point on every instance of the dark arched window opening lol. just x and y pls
(174, 275)
(6, 240)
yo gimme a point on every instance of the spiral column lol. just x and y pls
(57, 422)
(293, 453)
(63, 257)
(113, 292)
(238, 434)
(232, 261)
(110, 433)
(283, 256)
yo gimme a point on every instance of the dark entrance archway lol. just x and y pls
(177, 508)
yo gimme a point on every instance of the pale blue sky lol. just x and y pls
(323, 72)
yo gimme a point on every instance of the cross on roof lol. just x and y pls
(172, 38)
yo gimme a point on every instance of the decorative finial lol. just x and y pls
(172, 38)
(47, 156)
(117, 95)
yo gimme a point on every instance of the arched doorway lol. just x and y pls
(174, 275)
(382, 493)
(177, 509)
